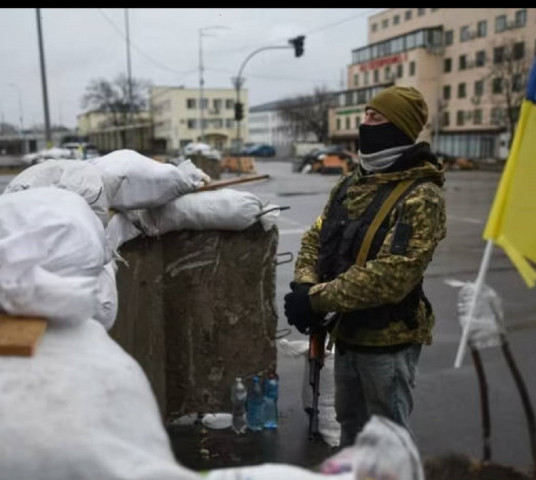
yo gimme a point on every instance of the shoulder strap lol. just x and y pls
(386, 207)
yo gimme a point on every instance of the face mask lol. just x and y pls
(374, 138)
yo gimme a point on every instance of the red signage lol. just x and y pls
(382, 62)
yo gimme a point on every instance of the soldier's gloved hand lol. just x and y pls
(298, 307)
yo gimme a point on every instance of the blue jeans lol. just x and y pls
(373, 384)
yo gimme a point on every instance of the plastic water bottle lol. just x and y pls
(239, 396)
(271, 392)
(255, 405)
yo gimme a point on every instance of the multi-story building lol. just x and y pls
(179, 120)
(470, 64)
(266, 125)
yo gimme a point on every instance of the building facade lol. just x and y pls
(470, 64)
(179, 120)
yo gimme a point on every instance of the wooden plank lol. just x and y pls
(230, 181)
(20, 336)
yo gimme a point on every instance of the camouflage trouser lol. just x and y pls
(373, 384)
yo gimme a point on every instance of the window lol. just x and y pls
(204, 104)
(407, 15)
(376, 76)
(446, 92)
(411, 69)
(462, 93)
(367, 80)
(498, 54)
(396, 19)
(229, 123)
(477, 116)
(385, 23)
(447, 65)
(374, 27)
(480, 58)
(496, 85)
(191, 103)
(338, 123)
(216, 103)
(496, 115)
(479, 88)
(387, 73)
(356, 79)
(464, 33)
(357, 122)
(482, 28)
(462, 62)
(421, 11)
(519, 50)
(192, 123)
(500, 23)
(400, 70)
(445, 119)
(347, 123)
(460, 117)
(449, 37)
(229, 103)
(517, 82)
(521, 18)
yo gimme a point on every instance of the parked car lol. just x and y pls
(260, 150)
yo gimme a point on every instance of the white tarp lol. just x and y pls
(76, 176)
(135, 181)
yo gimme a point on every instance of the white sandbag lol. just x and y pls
(76, 176)
(382, 449)
(52, 250)
(224, 209)
(81, 408)
(120, 230)
(107, 296)
(135, 181)
(272, 471)
(328, 427)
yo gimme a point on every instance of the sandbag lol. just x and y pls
(76, 176)
(133, 181)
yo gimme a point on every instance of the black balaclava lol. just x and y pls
(375, 138)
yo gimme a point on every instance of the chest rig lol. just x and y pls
(345, 242)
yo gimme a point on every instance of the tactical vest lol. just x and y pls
(340, 242)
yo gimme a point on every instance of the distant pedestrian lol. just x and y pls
(372, 279)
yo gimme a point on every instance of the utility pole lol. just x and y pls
(48, 136)
(21, 119)
(129, 76)
(201, 80)
(238, 81)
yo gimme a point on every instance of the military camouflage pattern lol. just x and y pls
(388, 278)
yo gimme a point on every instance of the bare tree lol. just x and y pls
(508, 74)
(113, 97)
(308, 114)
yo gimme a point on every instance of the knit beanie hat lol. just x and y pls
(404, 107)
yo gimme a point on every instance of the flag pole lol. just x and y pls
(478, 287)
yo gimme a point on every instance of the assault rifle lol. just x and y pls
(317, 342)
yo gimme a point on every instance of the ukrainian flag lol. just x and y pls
(512, 220)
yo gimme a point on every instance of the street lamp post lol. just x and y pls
(21, 119)
(201, 80)
(238, 81)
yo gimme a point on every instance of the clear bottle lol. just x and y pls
(239, 397)
(255, 405)
(271, 393)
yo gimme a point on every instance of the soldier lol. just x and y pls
(369, 271)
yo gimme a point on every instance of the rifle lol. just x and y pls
(317, 341)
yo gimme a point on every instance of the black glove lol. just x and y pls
(298, 308)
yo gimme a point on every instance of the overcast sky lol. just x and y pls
(81, 44)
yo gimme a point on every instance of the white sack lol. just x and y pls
(223, 209)
(120, 230)
(328, 427)
(81, 408)
(135, 181)
(382, 449)
(52, 250)
(271, 471)
(76, 176)
(107, 296)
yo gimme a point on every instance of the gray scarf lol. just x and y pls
(378, 161)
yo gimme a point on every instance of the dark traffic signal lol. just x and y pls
(298, 45)
(238, 111)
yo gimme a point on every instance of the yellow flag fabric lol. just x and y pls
(512, 220)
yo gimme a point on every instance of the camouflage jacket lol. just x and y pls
(387, 278)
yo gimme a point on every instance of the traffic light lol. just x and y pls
(298, 45)
(238, 111)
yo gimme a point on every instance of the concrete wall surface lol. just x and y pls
(196, 310)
